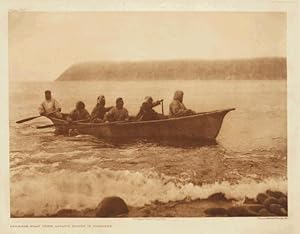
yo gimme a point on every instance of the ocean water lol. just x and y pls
(50, 172)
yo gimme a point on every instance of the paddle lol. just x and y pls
(27, 119)
(34, 117)
(46, 126)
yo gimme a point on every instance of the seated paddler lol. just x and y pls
(117, 113)
(50, 107)
(79, 114)
(99, 110)
(177, 108)
(146, 110)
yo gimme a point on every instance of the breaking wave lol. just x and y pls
(41, 194)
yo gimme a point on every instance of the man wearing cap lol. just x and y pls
(117, 113)
(50, 106)
(99, 110)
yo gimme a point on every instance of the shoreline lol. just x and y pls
(268, 204)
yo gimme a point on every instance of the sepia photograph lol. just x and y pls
(121, 114)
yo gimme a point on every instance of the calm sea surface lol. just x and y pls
(50, 172)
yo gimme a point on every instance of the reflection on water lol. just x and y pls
(130, 142)
(51, 171)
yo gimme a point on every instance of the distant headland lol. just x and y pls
(235, 69)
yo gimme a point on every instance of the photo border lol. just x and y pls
(163, 225)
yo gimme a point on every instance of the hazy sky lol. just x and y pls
(43, 45)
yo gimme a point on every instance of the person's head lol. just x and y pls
(80, 105)
(119, 103)
(149, 99)
(48, 95)
(178, 95)
(101, 100)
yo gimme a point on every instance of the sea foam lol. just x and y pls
(44, 194)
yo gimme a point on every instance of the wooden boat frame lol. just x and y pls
(201, 126)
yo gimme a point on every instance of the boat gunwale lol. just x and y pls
(89, 124)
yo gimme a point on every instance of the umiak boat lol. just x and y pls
(201, 126)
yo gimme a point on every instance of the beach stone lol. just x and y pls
(111, 207)
(240, 211)
(215, 211)
(88, 212)
(283, 202)
(269, 201)
(261, 197)
(265, 212)
(68, 213)
(73, 132)
(275, 194)
(276, 209)
(217, 197)
(254, 207)
(168, 215)
(284, 212)
(249, 201)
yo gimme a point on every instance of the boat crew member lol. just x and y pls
(117, 113)
(50, 106)
(80, 113)
(99, 110)
(177, 108)
(146, 112)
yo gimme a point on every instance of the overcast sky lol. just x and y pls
(43, 45)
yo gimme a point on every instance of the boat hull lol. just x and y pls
(202, 126)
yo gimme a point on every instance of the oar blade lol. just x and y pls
(27, 119)
(31, 118)
(45, 126)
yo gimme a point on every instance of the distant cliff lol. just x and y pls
(243, 69)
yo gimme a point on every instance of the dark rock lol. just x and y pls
(88, 212)
(275, 194)
(73, 132)
(147, 212)
(276, 209)
(68, 213)
(240, 211)
(261, 197)
(168, 215)
(217, 197)
(283, 202)
(265, 212)
(284, 212)
(157, 202)
(269, 201)
(249, 201)
(216, 212)
(254, 207)
(111, 207)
